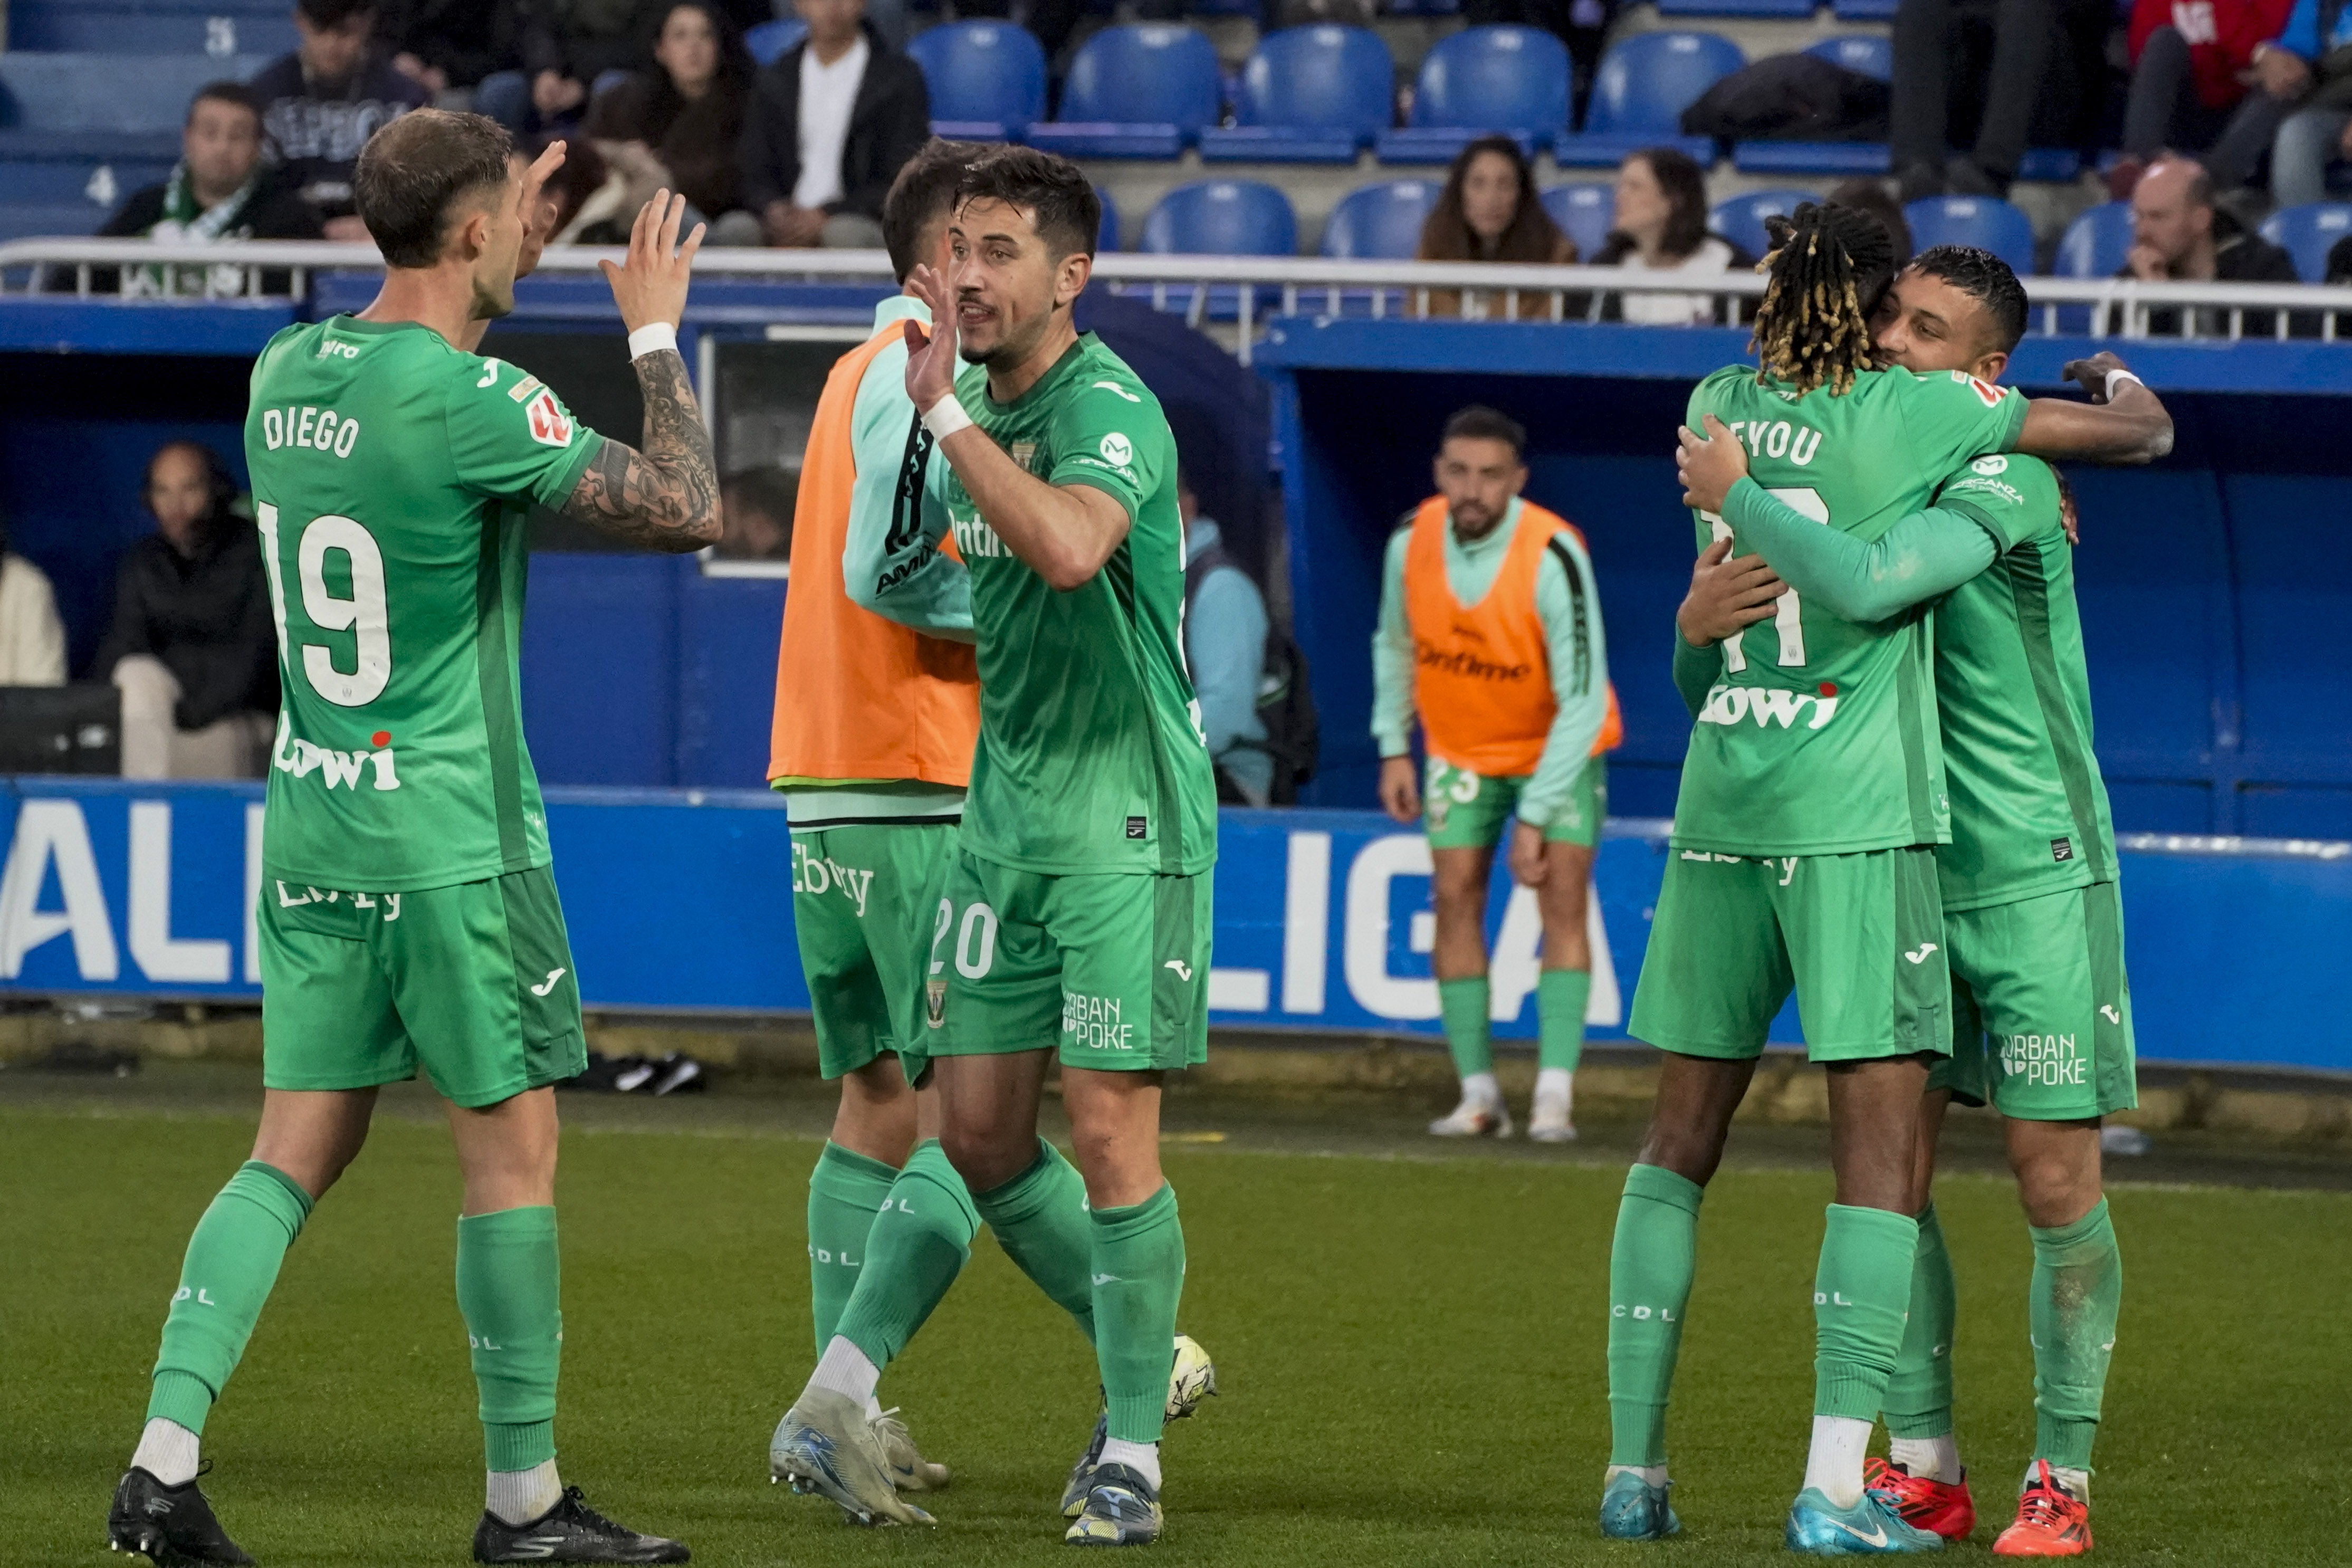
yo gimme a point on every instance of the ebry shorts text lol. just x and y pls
(1111, 970)
(472, 982)
(1859, 937)
(865, 903)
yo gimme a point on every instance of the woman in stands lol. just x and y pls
(1660, 229)
(677, 125)
(1489, 211)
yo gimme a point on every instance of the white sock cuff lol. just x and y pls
(1833, 1465)
(844, 1369)
(1938, 1458)
(1554, 1083)
(1143, 1459)
(1482, 1087)
(167, 1451)
(1652, 1475)
(519, 1497)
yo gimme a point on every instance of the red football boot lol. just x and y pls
(1924, 1502)
(2050, 1521)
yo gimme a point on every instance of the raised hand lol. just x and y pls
(650, 286)
(1725, 596)
(2092, 373)
(1710, 468)
(931, 358)
(538, 212)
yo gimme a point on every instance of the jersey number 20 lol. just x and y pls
(1786, 617)
(363, 613)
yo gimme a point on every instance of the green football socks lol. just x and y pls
(1040, 1219)
(1462, 1005)
(509, 1287)
(1650, 1267)
(232, 1261)
(2078, 1287)
(1561, 998)
(847, 1190)
(1861, 1291)
(1139, 1277)
(921, 1242)
(1919, 1394)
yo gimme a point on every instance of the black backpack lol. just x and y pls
(1285, 700)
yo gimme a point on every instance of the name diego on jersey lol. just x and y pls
(319, 429)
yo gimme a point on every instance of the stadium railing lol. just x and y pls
(1259, 288)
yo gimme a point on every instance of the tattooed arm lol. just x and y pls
(665, 495)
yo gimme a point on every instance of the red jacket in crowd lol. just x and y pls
(2221, 37)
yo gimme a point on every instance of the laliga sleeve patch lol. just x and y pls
(1990, 394)
(549, 425)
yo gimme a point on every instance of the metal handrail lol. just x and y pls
(1291, 285)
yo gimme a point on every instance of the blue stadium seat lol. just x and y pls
(2050, 165)
(220, 28)
(1986, 222)
(1583, 213)
(1840, 159)
(108, 92)
(1380, 223)
(56, 169)
(1864, 10)
(1867, 53)
(1309, 95)
(49, 222)
(2308, 232)
(1222, 217)
(2096, 244)
(771, 40)
(1741, 219)
(1107, 233)
(1482, 81)
(987, 79)
(1741, 10)
(1639, 92)
(1140, 92)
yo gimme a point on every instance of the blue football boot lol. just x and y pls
(1632, 1510)
(1872, 1526)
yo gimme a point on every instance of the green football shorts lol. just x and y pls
(1111, 970)
(2041, 1015)
(1861, 938)
(474, 983)
(863, 898)
(1463, 810)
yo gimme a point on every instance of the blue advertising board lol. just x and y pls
(678, 900)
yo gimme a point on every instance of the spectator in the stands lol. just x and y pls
(569, 49)
(1998, 75)
(1872, 197)
(2192, 70)
(220, 189)
(321, 103)
(678, 124)
(1659, 231)
(2179, 235)
(32, 638)
(193, 648)
(587, 201)
(2309, 67)
(449, 46)
(1489, 210)
(756, 513)
(830, 124)
(1225, 644)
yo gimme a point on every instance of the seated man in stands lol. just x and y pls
(221, 189)
(829, 126)
(2179, 235)
(193, 646)
(321, 103)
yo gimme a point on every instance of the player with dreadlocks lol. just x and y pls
(1803, 857)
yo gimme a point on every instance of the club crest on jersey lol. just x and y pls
(549, 426)
(935, 1003)
(1985, 392)
(1767, 706)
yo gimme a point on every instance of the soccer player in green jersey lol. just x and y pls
(408, 917)
(1802, 856)
(2042, 1006)
(1076, 919)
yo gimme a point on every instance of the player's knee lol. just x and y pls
(986, 1155)
(2057, 1178)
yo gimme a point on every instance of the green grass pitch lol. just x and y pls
(1412, 1353)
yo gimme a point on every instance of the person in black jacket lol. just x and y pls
(567, 45)
(321, 103)
(193, 648)
(868, 111)
(447, 44)
(220, 189)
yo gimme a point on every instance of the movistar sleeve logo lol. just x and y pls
(1770, 705)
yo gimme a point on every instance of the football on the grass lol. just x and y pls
(1193, 1379)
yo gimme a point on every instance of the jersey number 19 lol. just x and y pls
(363, 613)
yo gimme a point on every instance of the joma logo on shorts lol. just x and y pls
(818, 875)
(1093, 1022)
(1766, 705)
(2049, 1059)
(342, 770)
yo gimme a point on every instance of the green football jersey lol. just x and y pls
(1091, 757)
(2029, 808)
(392, 475)
(1820, 736)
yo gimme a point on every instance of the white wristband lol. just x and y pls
(2117, 375)
(947, 416)
(651, 340)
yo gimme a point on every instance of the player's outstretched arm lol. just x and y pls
(1063, 533)
(665, 495)
(2124, 422)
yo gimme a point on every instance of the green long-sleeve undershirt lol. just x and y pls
(1922, 556)
(1470, 573)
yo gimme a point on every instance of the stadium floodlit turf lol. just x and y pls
(1412, 1353)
